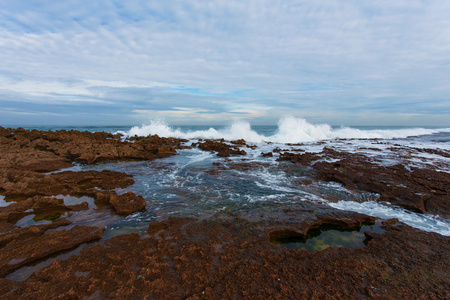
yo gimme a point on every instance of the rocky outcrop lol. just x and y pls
(420, 190)
(413, 188)
(38, 205)
(127, 203)
(44, 151)
(232, 257)
(222, 148)
(17, 253)
(268, 154)
(25, 156)
(22, 184)
(10, 232)
(297, 158)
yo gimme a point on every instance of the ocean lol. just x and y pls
(198, 183)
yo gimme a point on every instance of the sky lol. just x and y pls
(111, 62)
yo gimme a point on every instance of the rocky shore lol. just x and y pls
(229, 255)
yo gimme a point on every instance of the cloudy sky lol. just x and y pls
(114, 62)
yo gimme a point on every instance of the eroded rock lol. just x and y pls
(21, 252)
(29, 184)
(420, 190)
(127, 203)
(222, 148)
(45, 151)
(416, 189)
(297, 158)
(235, 259)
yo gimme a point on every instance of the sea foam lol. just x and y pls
(424, 221)
(290, 130)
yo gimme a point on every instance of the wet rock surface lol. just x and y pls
(127, 203)
(222, 148)
(45, 151)
(226, 255)
(38, 205)
(35, 224)
(232, 257)
(25, 155)
(297, 158)
(19, 252)
(413, 188)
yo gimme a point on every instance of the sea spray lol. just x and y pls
(237, 130)
(290, 130)
(297, 130)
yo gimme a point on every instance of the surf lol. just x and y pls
(288, 130)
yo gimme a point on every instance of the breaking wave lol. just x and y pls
(290, 130)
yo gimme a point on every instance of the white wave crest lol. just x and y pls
(297, 130)
(290, 130)
(238, 130)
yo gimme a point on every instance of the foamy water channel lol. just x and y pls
(198, 183)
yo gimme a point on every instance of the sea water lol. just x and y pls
(198, 183)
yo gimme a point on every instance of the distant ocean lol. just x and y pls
(288, 130)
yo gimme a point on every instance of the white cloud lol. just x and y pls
(341, 56)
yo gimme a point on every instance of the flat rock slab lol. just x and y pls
(17, 253)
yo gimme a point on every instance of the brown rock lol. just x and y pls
(127, 203)
(233, 258)
(36, 205)
(416, 189)
(10, 232)
(304, 158)
(268, 154)
(222, 149)
(240, 142)
(16, 254)
(44, 151)
(411, 189)
(29, 184)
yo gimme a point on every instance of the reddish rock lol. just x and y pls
(240, 142)
(123, 204)
(10, 232)
(226, 256)
(36, 205)
(441, 152)
(29, 184)
(297, 158)
(44, 151)
(127, 203)
(18, 253)
(416, 189)
(222, 149)
(420, 190)
(231, 257)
